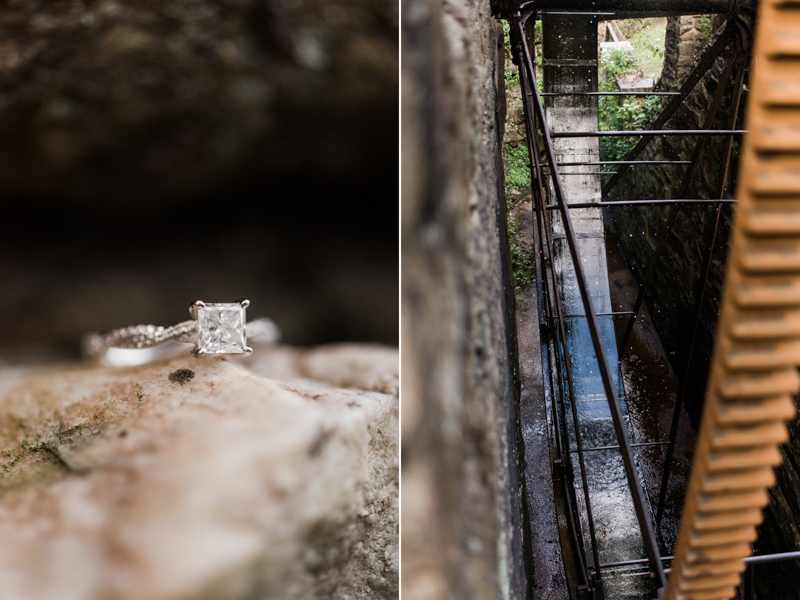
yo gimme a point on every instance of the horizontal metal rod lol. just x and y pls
(617, 447)
(648, 132)
(561, 173)
(642, 574)
(768, 558)
(620, 162)
(688, 7)
(750, 560)
(625, 563)
(583, 12)
(609, 94)
(641, 202)
(608, 314)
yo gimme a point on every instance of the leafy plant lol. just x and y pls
(516, 162)
(616, 64)
(615, 115)
(706, 28)
(522, 265)
(657, 52)
(512, 71)
(512, 76)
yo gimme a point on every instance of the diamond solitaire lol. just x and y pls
(214, 329)
(220, 328)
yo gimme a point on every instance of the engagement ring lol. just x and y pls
(214, 329)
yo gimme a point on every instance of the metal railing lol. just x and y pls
(536, 121)
(549, 295)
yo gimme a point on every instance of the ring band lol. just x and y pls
(214, 329)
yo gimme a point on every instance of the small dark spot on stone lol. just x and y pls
(123, 433)
(352, 404)
(319, 443)
(181, 376)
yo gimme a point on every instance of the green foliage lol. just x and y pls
(706, 28)
(537, 32)
(512, 76)
(647, 37)
(657, 52)
(522, 266)
(516, 162)
(512, 71)
(615, 115)
(507, 39)
(616, 64)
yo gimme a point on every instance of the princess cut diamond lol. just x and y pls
(220, 328)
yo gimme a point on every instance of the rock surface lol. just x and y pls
(144, 100)
(202, 478)
(462, 515)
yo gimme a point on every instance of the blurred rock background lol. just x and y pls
(154, 153)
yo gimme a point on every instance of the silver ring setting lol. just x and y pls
(215, 328)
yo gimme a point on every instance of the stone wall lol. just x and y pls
(677, 276)
(692, 38)
(675, 284)
(684, 40)
(461, 492)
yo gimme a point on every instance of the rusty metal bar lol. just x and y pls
(546, 94)
(641, 203)
(667, 228)
(709, 56)
(750, 560)
(770, 558)
(620, 162)
(637, 494)
(647, 132)
(625, 563)
(617, 447)
(608, 314)
(549, 174)
(688, 7)
(579, 13)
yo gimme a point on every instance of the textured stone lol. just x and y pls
(462, 521)
(199, 479)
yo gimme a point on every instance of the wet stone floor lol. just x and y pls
(650, 393)
(647, 389)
